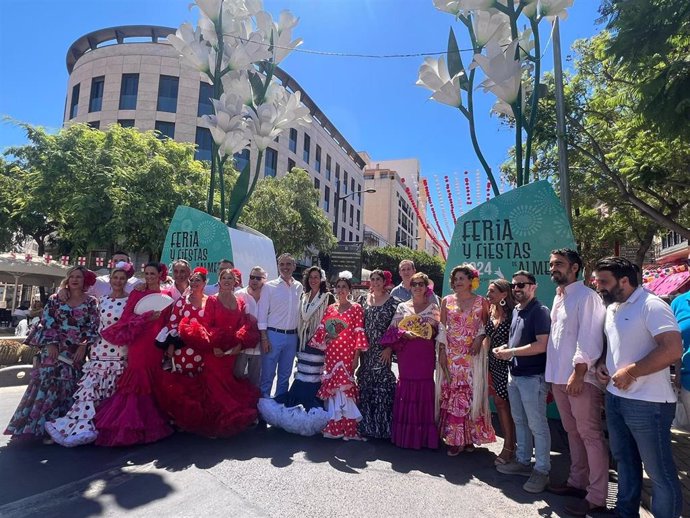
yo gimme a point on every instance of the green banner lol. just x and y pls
(199, 238)
(514, 231)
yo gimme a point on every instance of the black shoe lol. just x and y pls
(566, 490)
(585, 508)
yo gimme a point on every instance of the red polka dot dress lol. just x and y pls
(186, 360)
(99, 381)
(341, 335)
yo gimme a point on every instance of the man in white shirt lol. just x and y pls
(643, 342)
(248, 364)
(102, 286)
(278, 320)
(575, 345)
(181, 271)
(212, 289)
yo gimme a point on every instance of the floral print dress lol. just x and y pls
(54, 381)
(101, 372)
(456, 424)
(375, 379)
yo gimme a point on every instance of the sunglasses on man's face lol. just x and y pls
(255, 277)
(521, 285)
(417, 284)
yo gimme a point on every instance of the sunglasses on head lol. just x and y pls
(417, 284)
(255, 277)
(521, 285)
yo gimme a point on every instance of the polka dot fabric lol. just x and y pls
(186, 360)
(99, 381)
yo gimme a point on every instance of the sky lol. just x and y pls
(374, 102)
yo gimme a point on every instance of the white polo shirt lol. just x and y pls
(279, 304)
(630, 330)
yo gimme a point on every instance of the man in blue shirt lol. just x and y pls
(527, 389)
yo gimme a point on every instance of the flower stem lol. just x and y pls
(235, 215)
(535, 97)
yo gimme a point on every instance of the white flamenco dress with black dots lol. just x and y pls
(99, 381)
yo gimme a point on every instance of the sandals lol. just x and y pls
(454, 451)
(505, 457)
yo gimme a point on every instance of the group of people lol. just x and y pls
(208, 364)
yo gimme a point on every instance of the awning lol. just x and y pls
(669, 284)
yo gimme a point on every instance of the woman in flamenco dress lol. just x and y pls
(132, 415)
(211, 401)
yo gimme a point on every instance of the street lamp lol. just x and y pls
(337, 205)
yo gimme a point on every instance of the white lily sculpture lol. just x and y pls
(236, 47)
(509, 59)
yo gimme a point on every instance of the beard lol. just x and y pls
(558, 278)
(609, 297)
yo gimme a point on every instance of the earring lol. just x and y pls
(502, 303)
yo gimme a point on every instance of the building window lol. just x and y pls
(205, 94)
(270, 162)
(242, 159)
(94, 124)
(352, 187)
(344, 211)
(337, 179)
(126, 123)
(317, 184)
(344, 182)
(292, 142)
(359, 194)
(328, 167)
(351, 236)
(291, 164)
(166, 129)
(352, 215)
(327, 198)
(358, 215)
(129, 88)
(317, 159)
(307, 148)
(342, 234)
(96, 98)
(204, 144)
(74, 102)
(167, 93)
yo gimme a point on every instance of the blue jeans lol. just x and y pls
(281, 355)
(527, 395)
(640, 432)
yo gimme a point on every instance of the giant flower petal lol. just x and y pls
(434, 75)
(503, 71)
(193, 50)
(491, 26)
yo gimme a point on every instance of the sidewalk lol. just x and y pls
(681, 454)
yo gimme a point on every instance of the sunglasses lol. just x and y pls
(521, 285)
(417, 284)
(255, 277)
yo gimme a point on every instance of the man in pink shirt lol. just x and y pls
(575, 345)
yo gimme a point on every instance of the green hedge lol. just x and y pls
(388, 258)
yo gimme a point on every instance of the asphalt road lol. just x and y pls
(259, 473)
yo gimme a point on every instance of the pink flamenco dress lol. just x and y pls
(457, 424)
(131, 415)
(414, 424)
(341, 335)
(212, 402)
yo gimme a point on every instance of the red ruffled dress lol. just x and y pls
(131, 415)
(338, 386)
(213, 403)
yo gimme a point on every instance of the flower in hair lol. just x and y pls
(126, 267)
(163, 272)
(89, 278)
(323, 274)
(201, 270)
(345, 274)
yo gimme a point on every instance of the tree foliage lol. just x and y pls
(100, 190)
(389, 257)
(650, 41)
(287, 210)
(628, 179)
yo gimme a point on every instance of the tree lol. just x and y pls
(96, 189)
(389, 257)
(630, 179)
(650, 40)
(287, 210)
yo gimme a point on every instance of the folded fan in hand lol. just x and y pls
(334, 326)
(415, 325)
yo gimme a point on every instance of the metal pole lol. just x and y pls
(563, 171)
(337, 211)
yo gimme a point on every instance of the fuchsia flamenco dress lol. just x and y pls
(212, 402)
(414, 424)
(131, 415)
